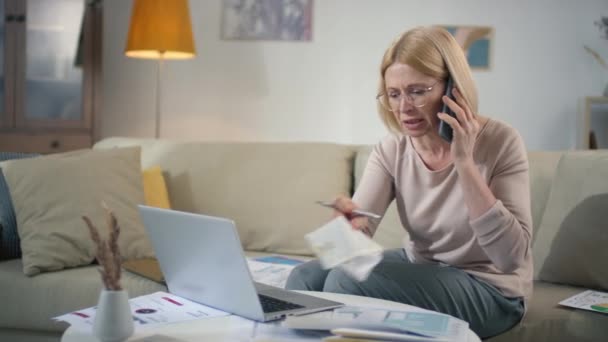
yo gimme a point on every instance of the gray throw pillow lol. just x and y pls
(9, 239)
(571, 244)
(578, 254)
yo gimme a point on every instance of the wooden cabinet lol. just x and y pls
(51, 51)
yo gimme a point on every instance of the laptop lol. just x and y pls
(202, 259)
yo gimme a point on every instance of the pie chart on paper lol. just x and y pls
(600, 307)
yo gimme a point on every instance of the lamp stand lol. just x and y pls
(159, 71)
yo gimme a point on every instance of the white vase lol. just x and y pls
(113, 320)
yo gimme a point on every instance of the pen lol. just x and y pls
(356, 211)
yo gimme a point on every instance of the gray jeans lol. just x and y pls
(439, 288)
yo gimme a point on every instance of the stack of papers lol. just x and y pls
(149, 310)
(413, 324)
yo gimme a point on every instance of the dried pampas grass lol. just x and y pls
(107, 252)
(596, 56)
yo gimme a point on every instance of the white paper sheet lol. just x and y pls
(337, 244)
(589, 300)
(149, 310)
(269, 273)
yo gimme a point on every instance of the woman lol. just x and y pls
(465, 204)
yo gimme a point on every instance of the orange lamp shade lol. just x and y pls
(160, 29)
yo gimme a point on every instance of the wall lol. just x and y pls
(324, 90)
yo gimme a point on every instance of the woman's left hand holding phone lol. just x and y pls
(465, 126)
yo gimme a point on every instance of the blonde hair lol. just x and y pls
(432, 51)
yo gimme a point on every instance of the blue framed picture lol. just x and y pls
(476, 42)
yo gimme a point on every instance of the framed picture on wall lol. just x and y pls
(286, 20)
(476, 42)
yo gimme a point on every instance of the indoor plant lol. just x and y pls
(602, 24)
(113, 320)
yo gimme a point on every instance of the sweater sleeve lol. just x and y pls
(505, 230)
(376, 189)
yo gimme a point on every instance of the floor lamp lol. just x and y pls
(160, 29)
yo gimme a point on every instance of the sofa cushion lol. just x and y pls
(545, 320)
(51, 193)
(571, 244)
(9, 239)
(268, 189)
(543, 165)
(31, 302)
(155, 188)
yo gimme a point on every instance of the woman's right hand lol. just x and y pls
(344, 206)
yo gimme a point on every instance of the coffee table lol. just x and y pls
(234, 328)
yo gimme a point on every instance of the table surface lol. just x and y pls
(234, 328)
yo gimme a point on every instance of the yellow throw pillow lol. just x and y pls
(155, 188)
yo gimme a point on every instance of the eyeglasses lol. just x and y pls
(417, 97)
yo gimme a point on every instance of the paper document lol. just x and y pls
(337, 244)
(149, 310)
(416, 322)
(272, 270)
(269, 274)
(589, 300)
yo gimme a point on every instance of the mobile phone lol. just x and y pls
(445, 130)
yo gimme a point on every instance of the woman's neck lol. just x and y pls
(431, 145)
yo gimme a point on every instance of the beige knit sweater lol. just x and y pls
(495, 247)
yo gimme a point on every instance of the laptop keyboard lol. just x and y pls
(270, 304)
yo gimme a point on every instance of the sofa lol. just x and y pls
(269, 190)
